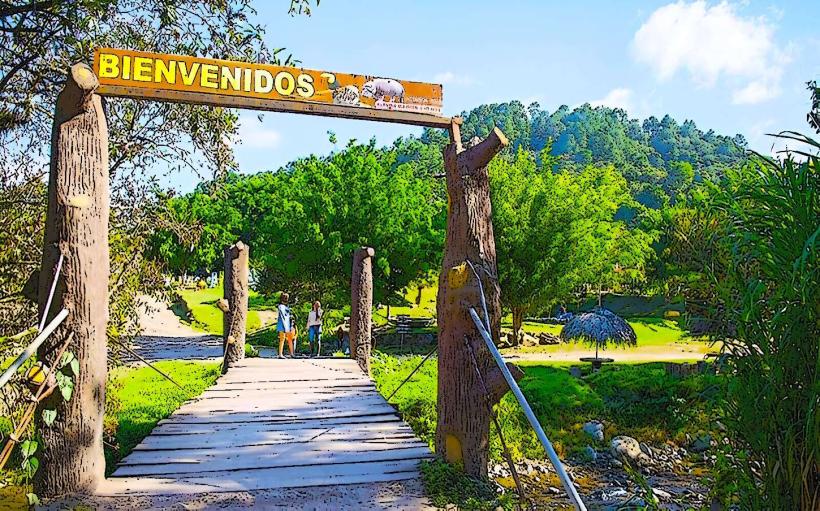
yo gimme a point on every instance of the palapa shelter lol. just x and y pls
(599, 327)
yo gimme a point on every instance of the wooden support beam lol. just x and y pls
(279, 105)
(235, 315)
(361, 307)
(71, 460)
(463, 419)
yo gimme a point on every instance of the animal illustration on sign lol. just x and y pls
(379, 88)
(347, 95)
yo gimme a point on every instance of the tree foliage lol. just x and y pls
(38, 43)
(755, 245)
(557, 231)
(304, 221)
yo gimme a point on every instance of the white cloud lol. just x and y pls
(450, 78)
(713, 43)
(254, 134)
(616, 98)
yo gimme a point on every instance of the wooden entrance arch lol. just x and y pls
(77, 228)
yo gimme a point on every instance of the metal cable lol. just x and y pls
(506, 452)
(413, 372)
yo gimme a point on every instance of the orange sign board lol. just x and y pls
(156, 71)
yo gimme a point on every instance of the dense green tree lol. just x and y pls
(304, 221)
(38, 42)
(556, 232)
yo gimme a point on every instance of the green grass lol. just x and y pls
(137, 398)
(425, 309)
(446, 484)
(651, 332)
(639, 400)
(206, 316)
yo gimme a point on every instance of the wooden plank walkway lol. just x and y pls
(272, 424)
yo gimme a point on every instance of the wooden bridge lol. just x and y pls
(271, 424)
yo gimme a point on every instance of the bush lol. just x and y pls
(638, 400)
(446, 484)
(767, 299)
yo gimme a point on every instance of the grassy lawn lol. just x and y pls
(656, 334)
(639, 400)
(137, 398)
(205, 314)
(425, 309)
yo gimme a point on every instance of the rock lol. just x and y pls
(701, 444)
(528, 340)
(554, 490)
(594, 429)
(548, 339)
(629, 448)
(610, 495)
(662, 494)
(646, 450)
(575, 371)
(591, 453)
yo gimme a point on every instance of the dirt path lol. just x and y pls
(165, 337)
(645, 354)
(401, 495)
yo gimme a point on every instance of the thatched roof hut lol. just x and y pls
(599, 327)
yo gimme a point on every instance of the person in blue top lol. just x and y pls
(285, 325)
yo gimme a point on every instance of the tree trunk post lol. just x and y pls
(463, 419)
(361, 307)
(518, 322)
(235, 312)
(71, 455)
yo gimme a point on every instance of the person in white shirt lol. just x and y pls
(314, 328)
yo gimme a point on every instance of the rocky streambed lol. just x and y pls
(623, 477)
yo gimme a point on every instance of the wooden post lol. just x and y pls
(361, 307)
(234, 319)
(71, 457)
(463, 419)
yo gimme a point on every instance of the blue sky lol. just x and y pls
(735, 67)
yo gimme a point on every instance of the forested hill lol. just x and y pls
(606, 135)
(658, 157)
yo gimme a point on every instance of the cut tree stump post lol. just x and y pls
(463, 419)
(361, 307)
(71, 454)
(234, 319)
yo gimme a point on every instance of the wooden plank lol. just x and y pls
(315, 424)
(335, 383)
(278, 105)
(204, 462)
(221, 439)
(267, 417)
(240, 428)
(284, 453)
(272, 404)
(249, 480)
(340, 392)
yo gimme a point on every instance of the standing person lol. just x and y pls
(284, 324)
(314, 328)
